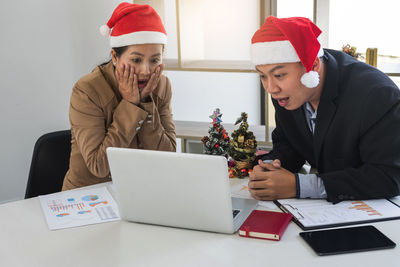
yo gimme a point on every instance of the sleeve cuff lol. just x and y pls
(296, 175)
(311, 186)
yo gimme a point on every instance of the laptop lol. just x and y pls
(176, 189)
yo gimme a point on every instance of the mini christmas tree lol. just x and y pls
(217, 143)
(351, 50)
(243, 146)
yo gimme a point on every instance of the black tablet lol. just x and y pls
(347, 240)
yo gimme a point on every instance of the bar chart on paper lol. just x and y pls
(362, 206)
(317, 213)
(60, 206)
(79, 207)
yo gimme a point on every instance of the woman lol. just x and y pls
(122, 103)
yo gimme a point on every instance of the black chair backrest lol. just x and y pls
(50, 162)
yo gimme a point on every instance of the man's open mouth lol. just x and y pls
(283, 101)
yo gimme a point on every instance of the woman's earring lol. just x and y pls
(114, 63)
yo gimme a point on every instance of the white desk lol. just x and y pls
(25, 240)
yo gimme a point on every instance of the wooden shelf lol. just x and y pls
(391, 69)
(194, 130)
(210, 65)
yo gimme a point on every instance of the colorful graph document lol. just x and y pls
(79, 207)
(314, 213)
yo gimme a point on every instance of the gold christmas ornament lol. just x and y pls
(242, 149)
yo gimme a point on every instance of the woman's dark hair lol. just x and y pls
(118, 51)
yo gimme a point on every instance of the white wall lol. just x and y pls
(45, 46)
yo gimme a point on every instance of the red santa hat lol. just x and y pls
(134, 24)
(287, 40)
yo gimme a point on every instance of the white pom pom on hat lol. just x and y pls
(310, 79)
(105, 30)
(134, 24)
(288, 40)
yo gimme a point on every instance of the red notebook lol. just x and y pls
(265, 225)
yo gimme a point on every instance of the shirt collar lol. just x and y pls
(309, 111)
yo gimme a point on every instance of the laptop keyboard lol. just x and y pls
(235, 213)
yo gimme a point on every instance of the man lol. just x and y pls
(340, 115)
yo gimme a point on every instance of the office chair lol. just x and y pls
(50, 162)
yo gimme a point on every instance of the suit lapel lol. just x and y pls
(327, 105)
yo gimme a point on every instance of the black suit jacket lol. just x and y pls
(356, 143)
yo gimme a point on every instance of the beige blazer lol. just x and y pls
(100, 118)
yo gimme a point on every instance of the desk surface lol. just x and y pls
(25, 240)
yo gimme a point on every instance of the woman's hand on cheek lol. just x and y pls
(153, 82)
(128, 83)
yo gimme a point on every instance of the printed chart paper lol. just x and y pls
(79, 207)
(311, 213)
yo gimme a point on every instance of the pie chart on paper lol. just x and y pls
(90, 198)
